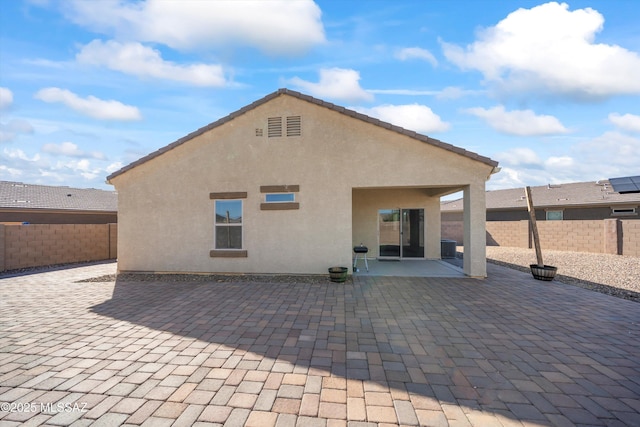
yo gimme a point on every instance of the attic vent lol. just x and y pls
(294, 126)
(274, 127)
(258, 131)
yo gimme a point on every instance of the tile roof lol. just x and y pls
(553, 195)
(29, 196)
(342, 110)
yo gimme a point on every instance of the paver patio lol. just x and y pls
(505, 351)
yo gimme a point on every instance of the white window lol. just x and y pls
(280, 197)
(228, 224)
(554, 215)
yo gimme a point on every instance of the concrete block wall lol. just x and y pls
(611, 236)
(631, 237)
(575, 236)
(113, 241)
(36, 245)
(453, 230)
(508, 233)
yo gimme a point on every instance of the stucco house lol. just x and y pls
(290, 184)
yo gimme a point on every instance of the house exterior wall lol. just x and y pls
(166, 216)
(365, 222)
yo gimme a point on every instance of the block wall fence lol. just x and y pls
(34, 245)
(609, 236)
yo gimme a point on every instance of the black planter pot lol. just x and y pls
(546, 272)
(338, 274)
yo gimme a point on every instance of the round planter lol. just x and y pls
(546, 272)
(338, 274)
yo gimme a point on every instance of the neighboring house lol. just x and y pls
(44, 204)
(290, 184)
(573, 201)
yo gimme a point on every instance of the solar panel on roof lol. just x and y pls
(626, 184)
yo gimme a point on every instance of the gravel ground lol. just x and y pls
(610, 274)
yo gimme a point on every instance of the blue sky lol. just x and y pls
(550, 90)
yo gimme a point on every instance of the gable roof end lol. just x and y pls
(329, 105)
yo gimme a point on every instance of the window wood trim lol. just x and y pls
(227, 253)
(279, 206)
(279, 188)
(228, 195)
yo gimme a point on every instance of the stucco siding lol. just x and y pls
(166, 221)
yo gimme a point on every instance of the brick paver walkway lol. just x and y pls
(506, 351)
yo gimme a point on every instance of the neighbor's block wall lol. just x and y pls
(511, 233)
(612, 236)
(453, 230)
(47, 244)
(576, 236)
(631, 237)
(113, 241)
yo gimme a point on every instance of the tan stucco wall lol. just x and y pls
(166, 216)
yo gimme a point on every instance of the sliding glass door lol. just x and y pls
(401, 233)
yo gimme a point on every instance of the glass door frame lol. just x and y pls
(400, 212)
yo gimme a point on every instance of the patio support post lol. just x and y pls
(475, 241)
(432, 228)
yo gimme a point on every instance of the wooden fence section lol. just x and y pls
(611, 236)
(34, 245)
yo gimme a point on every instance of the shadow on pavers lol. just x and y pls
(510, 347)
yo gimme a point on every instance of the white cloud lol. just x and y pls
(561, 162)
(518, 122)
(143, 61)
(549, 48)
(627, 122)
(6, 98)
(335, 83)
(416, 53)
(608, 155)
(17, 154)
(454, 92)
(614, 152)
(38, 169)
(415, 117)
(449, 92)
(81, 167)
(10, 130)
(277, 27)
(90, 106)
(519, 156)
(70, 149)
(114, 167)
